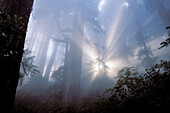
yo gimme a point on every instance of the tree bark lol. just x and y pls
(50, 63)
(164, 15)
(159, 7)
(142, 42)
(33, 36)
(43, 54)
(10, 66)
(74, 63)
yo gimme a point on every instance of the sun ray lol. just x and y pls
(107, 65)
(111, 37)
(149, 19)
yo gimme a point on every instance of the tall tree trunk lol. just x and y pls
(33, 36)
(165, 16)
(159, 7)
(43, 54)
(142, 42)
(50, 63)
(39, 49)
(75, 56)
(65, 73)
(10, 65)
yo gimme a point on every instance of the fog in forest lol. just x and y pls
(74, 49)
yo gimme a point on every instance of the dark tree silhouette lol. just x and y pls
(14, 18)
(167, 41)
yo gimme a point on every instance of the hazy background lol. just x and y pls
(121, 33)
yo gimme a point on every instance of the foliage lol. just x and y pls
(11, 32)
(127, 78)
(27, 68)
(167, 41)
(133, 92)
(11, 36)
(91, 9)
(58, 74)
(148, 92)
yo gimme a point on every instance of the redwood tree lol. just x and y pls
(14, 17)
(74, 63)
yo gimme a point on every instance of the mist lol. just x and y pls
(74, 49)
